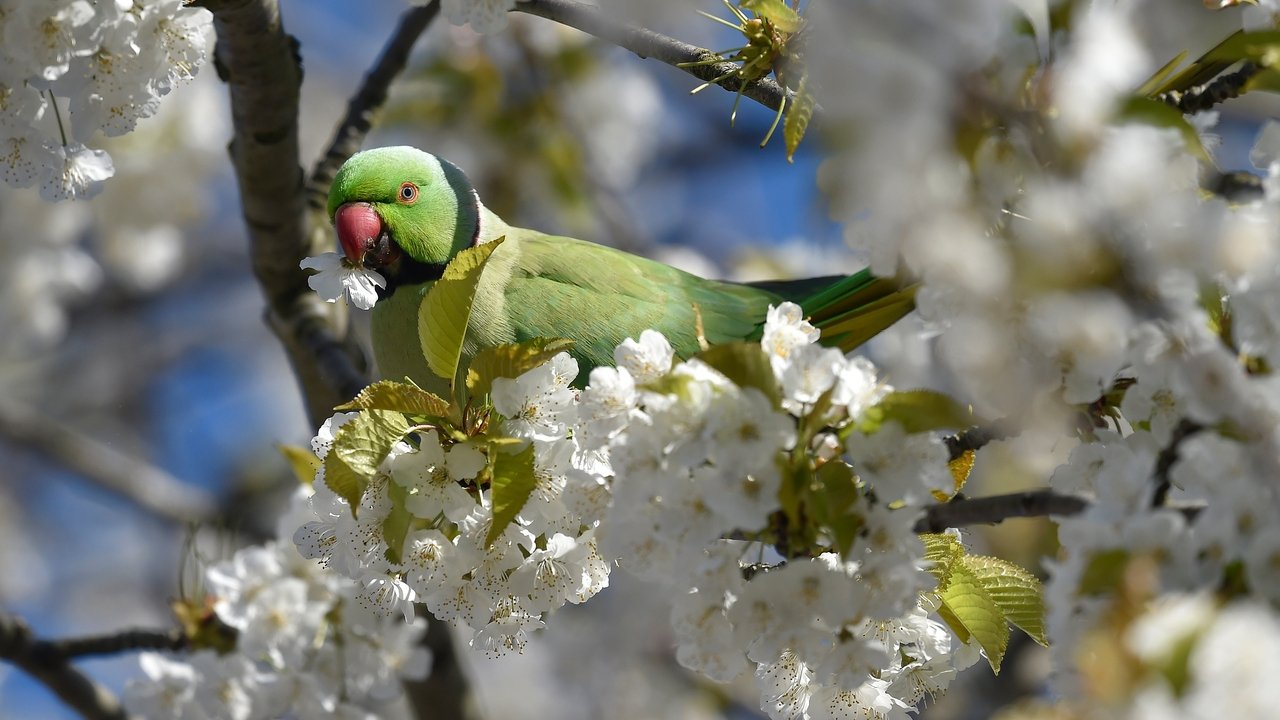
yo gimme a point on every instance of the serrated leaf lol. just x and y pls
(970, 605)
(960, 469)
(1017, 592)
(943, 551)
(778, 12)
(359, 447)
(917, 411)
(364, 441)
(446, 310)
(396, 525)
(512, 483)
(799, 113)
(953, 622)
(343, 481)
(1158, 114)
(400, 397)
(510, 361)
(1103, 573)
(302, 462)
(747, 365)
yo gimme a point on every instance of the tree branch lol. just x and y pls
(1218, 90)
(70, 685)
(978, 436)
(122, 641)
(260, 63)
(145, 485)
(368, 100)
(963, 512)
(649, 44)
(1168, 456)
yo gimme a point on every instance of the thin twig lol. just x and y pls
(995, 509)
(146, 485)
(70, 685)
(368, 99)
(1218, 90)
(978, 436)
(1168, 456)
(1237, 186)
(649, 44)
(963, 512)
(110, 644)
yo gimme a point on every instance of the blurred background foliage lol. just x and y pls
(132, 320)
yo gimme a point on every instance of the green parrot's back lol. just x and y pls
(538, 285)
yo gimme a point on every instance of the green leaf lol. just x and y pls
(1017, 592)
(1260, 47)
(799, 113)
(835, 493)
(343, 481)
(746, 364)
(396, 526)
(302, 462)
(1158, 114)
(972, 607)
(359, 447)
(1211, 301)
(363, 443)
(446, 310)
(917, 411)
(1204, 68)
(1153, 84)
(953, 622)
(944, 551)
(401, 397)
(776, 11)
(512, 483)
(510, 361)
(1267, 80)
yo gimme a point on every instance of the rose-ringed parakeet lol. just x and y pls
(406, 214)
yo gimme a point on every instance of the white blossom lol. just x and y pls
(337, 277)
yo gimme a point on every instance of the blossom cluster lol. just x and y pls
(71, 68)
(303, 645)
(498, 587)
(697, 459)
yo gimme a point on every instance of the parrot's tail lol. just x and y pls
(856, 308)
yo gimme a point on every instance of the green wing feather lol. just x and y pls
(598, 296)
(856, 308)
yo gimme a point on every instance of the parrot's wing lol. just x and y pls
(599, 296)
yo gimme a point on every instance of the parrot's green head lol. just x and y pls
(402, 211)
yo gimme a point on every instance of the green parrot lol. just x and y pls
(407, 213)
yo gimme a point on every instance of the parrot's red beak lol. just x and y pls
(359, 229)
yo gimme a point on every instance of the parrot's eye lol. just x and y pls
(408, 192)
